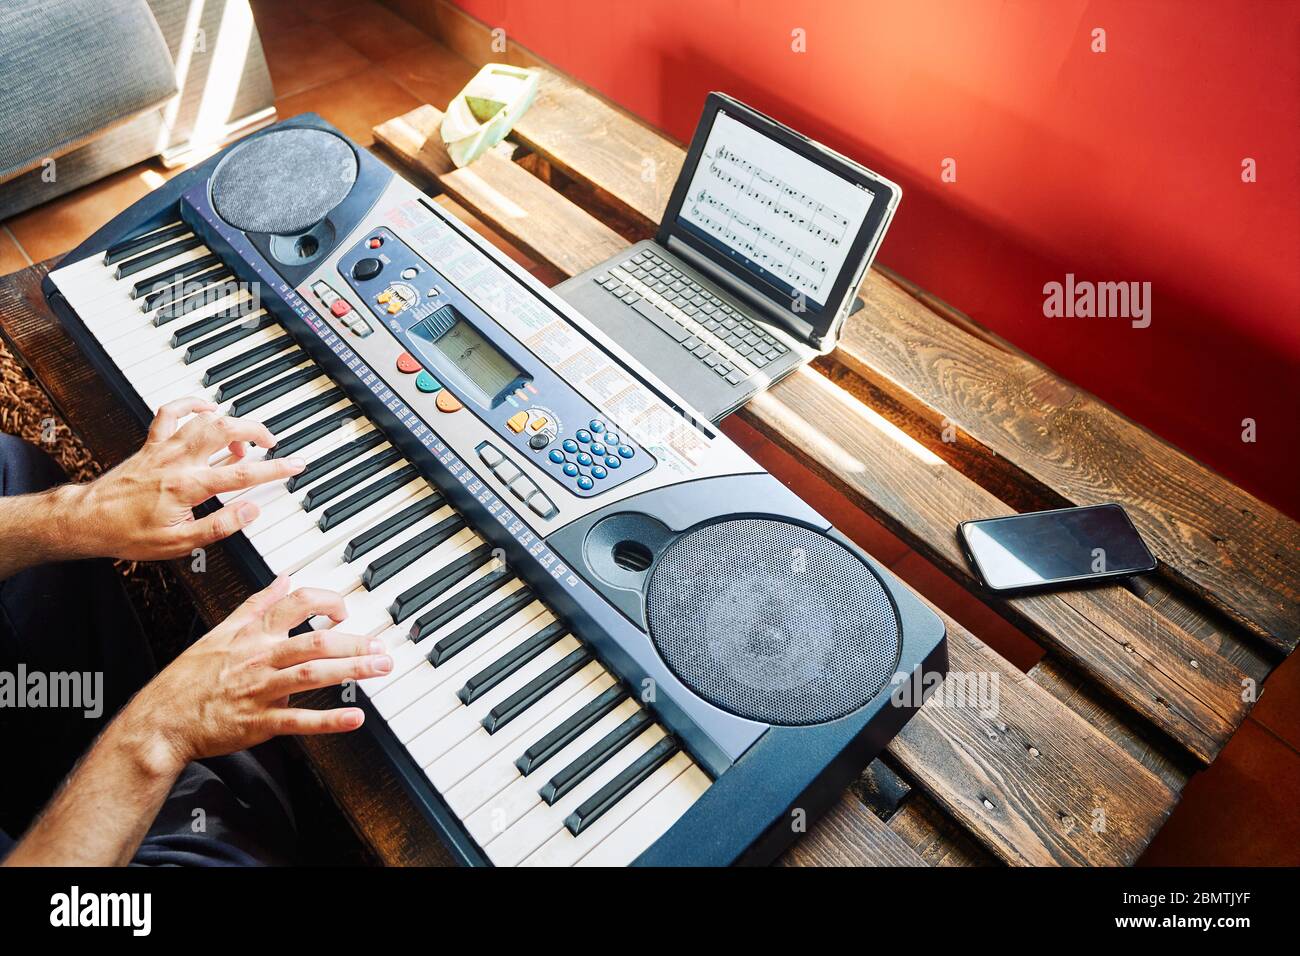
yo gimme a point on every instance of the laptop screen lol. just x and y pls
(778, 216)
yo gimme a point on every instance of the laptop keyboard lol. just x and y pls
(711, 331)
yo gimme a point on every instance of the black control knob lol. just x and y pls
(539, 441)
(366, 269)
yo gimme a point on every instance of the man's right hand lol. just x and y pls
(230, 689)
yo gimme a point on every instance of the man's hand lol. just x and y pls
(229, 691)
(141, 510)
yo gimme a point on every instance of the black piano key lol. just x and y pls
(269, 393)
(341, 483)
(319, 467)
(632, 777)
(173, 277)
(435, 585)
(217, 320)
(535, 690)
(468, 633)
(587, 763)
(292, 416)
(574, 727)
(190, 297)
(313, 432)
(185, 290)
(393, 525)
(460, 602)
(235, 365)
(130, 247)
(508, 664)
(151, 258)
(263, 373)
(366, 497)
(229, 337)
(401, 557)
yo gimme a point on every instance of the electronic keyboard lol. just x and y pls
(616, 639)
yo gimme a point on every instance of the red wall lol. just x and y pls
(1115, 166)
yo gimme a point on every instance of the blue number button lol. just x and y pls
(597, 449)
(583, 458)
(613, 462)
(597, 425)
(571, 469)
(570, 445)
(582, 435)
(626, 451)
(556, 456)
(598, 472)
(611, 439)
(585, 483)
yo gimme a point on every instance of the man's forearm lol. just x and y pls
(107, 804)
(36, 529)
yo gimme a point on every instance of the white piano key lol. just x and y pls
(170, 377)
(293, 399)
(288, 520)
(452, 673)
(649, 823)
(441, 720)
(406, 656)
(521, 794)
(274, 497)
(328, 570)
(519, 838)
(565, 849)
(124, 334)
(483, 765)
(398, 633)
(424, 677)
(368, 608)
(100, 286)
(151, 346)
(295, 555)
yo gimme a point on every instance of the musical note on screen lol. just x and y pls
(784, 214)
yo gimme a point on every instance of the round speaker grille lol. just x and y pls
(772, 621)
(283, 182)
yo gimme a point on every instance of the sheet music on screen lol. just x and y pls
(775, 213)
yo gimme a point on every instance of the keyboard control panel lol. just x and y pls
(462, 358)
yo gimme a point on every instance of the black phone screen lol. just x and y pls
(1044, 547)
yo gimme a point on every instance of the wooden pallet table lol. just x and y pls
(922, 420)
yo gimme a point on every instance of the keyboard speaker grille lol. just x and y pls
(283, 182)
(772, 621)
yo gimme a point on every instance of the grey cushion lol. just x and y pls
(71, 69)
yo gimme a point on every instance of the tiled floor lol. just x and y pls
(356, 64)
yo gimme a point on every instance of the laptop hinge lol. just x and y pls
(803, 331)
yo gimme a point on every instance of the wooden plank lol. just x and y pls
(632, 167)
(543, 224)
(1033, 781)
(1107, 633)
(1140, 742)
(353, 768)
(850, 835)
(936, 837)
(1233, 550)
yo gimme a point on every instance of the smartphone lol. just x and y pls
(1063, 546)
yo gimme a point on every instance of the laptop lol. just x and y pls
(755, 266)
